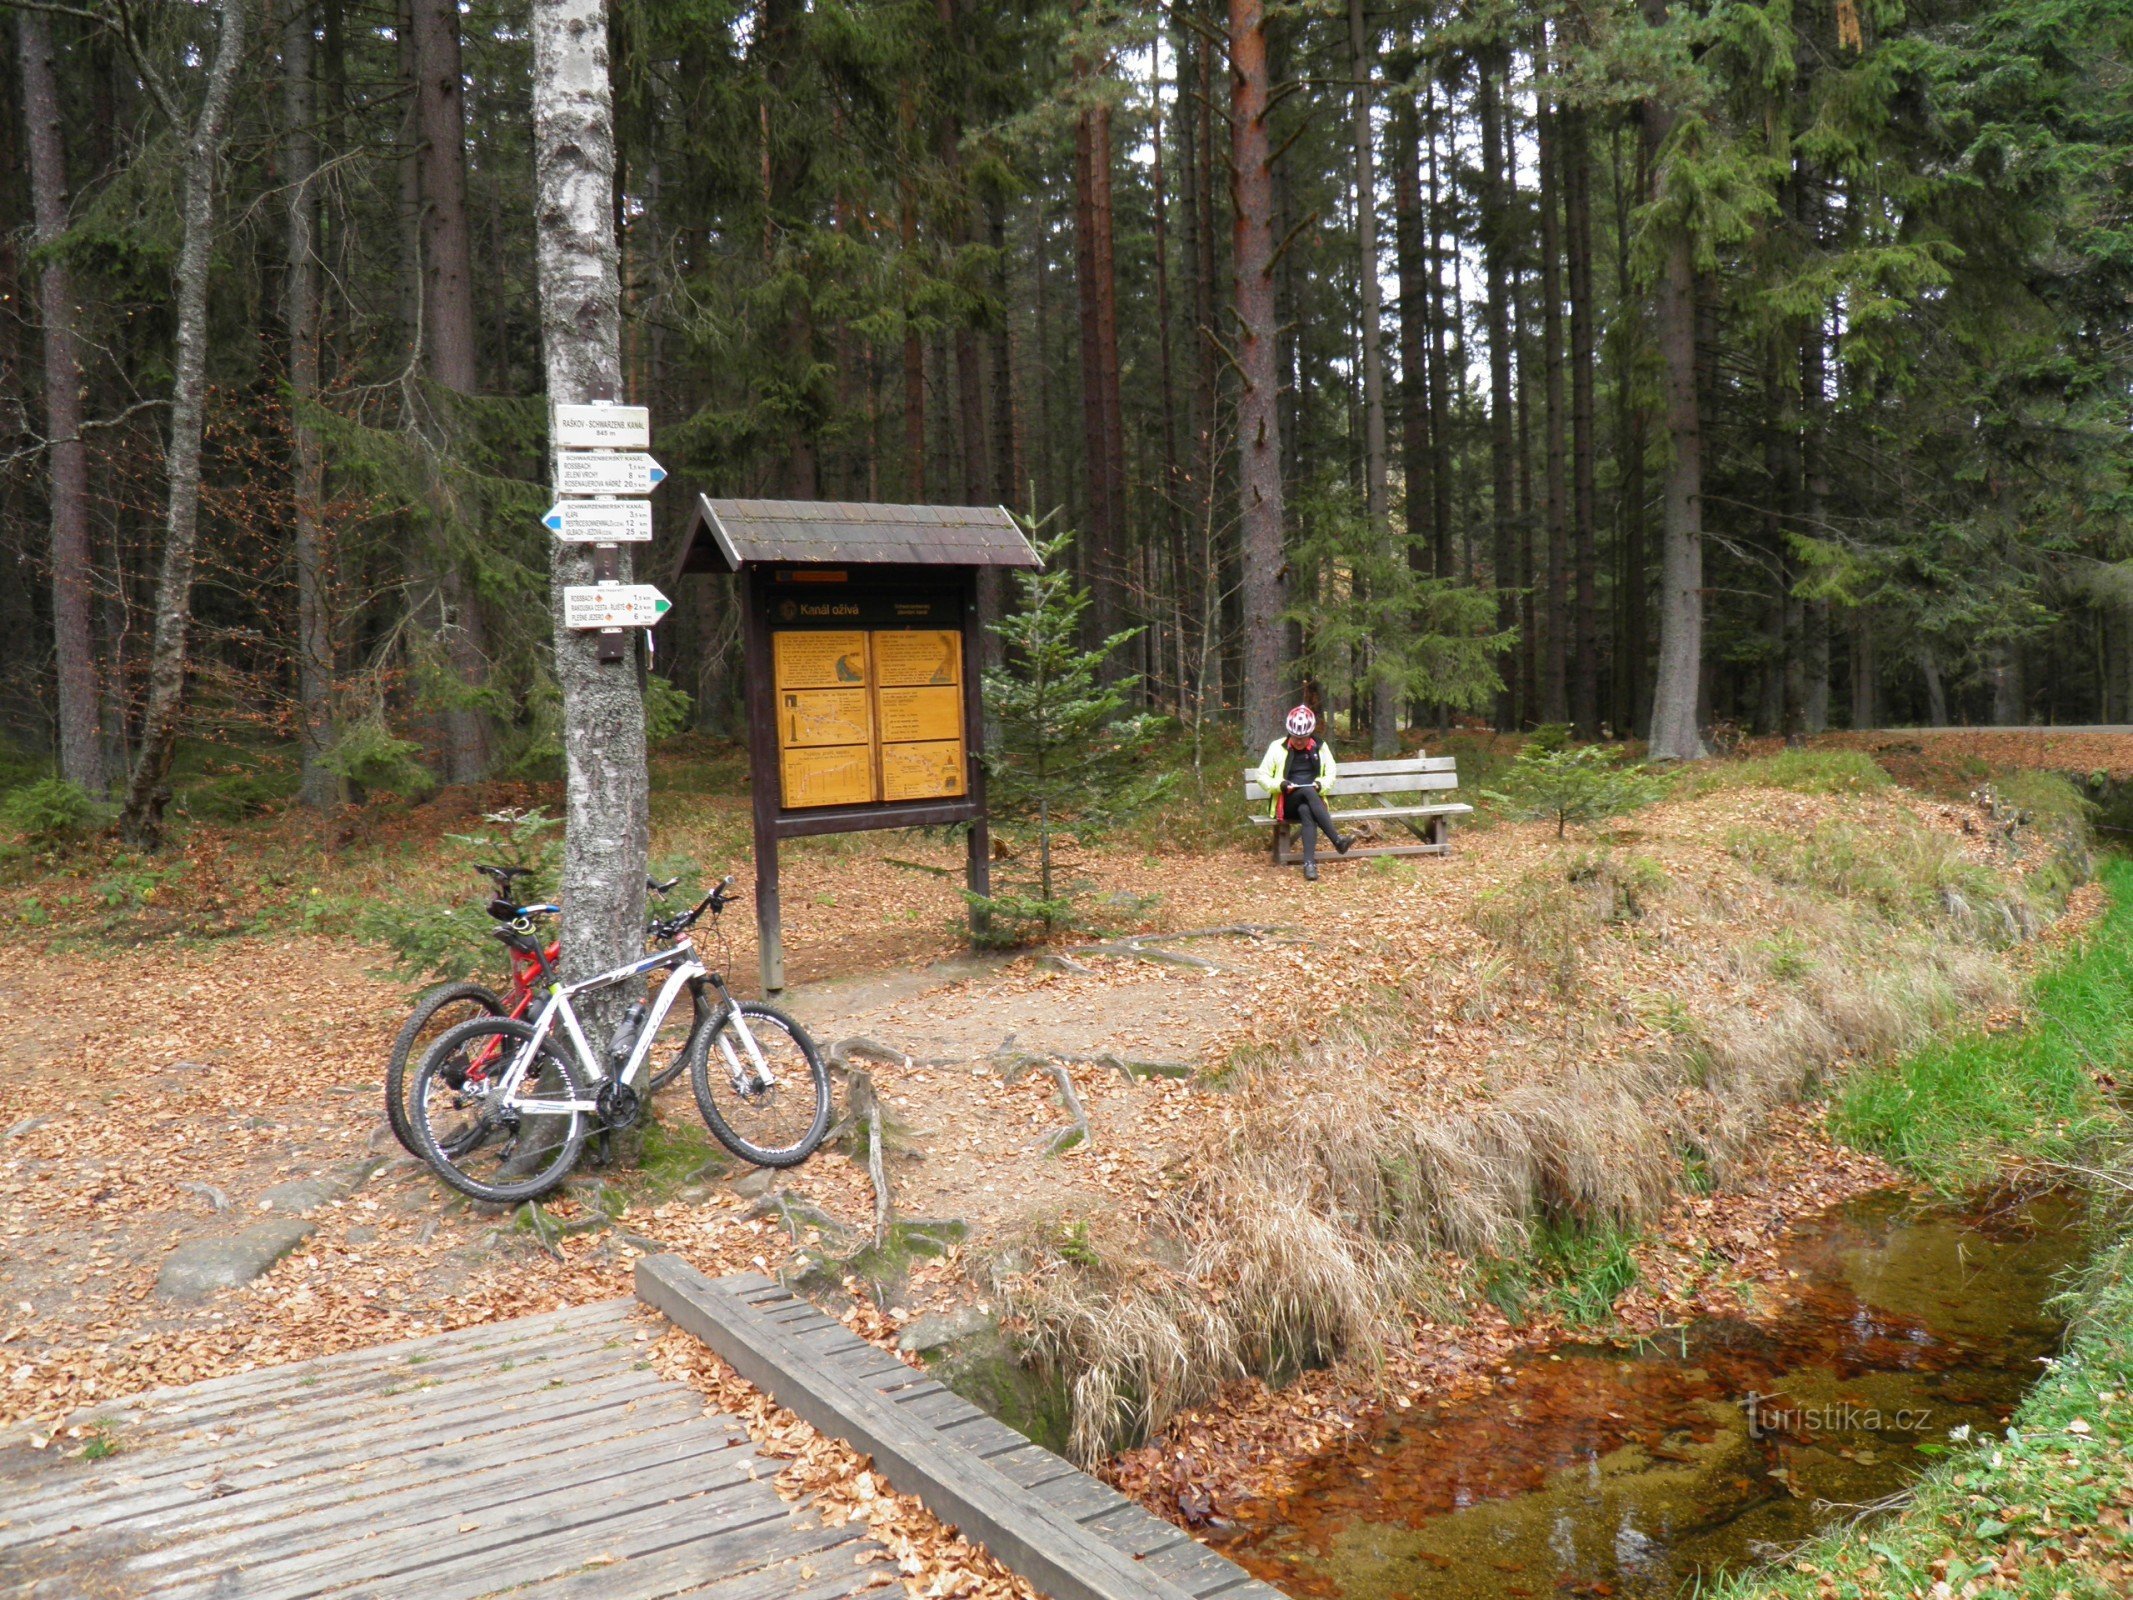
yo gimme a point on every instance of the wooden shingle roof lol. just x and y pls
(725, 535)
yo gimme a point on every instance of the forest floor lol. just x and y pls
(183, 1035)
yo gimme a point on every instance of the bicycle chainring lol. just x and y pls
(618, 1104)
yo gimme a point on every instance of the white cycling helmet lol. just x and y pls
(1303, 722)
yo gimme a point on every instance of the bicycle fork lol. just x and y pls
(761, 1080)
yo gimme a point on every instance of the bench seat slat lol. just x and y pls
(1380, 783)
(1384, 813)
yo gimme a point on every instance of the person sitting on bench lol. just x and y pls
(1299, 771)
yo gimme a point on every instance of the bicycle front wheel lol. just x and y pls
(479, 1141)
(762, 1085)
(437, 1011)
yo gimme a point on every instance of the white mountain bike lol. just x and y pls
(501, 1108)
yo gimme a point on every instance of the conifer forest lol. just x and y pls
(1673, 370)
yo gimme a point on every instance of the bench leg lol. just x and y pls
(1281, 830)
(1440, 831)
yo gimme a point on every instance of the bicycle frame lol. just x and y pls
(687, 970)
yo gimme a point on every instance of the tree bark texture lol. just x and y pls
(81, 754)
(1362, 48)
(450, 348)
(607, 831)
(1555, 662)
(1675, 735)
(1584, 540)
(319, 787)
(1103, 426)
(148, 783)
(1417, 463)
(1259, 487)
(1496, 252)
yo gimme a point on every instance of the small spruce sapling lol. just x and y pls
(1066, 761)
(1581, 783)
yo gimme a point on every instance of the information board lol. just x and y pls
(867, 716)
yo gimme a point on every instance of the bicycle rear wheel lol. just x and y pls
(437, 1011)
(769, 1105)
(476, 1141)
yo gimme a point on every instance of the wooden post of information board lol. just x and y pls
(765, 778)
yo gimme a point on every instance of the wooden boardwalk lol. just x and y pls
(1073, 1537)
(540, 1456)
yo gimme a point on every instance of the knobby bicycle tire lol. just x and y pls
(446, 1163)
(705, 1058)
(427, 1005)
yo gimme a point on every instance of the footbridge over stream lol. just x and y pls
(544, 1458)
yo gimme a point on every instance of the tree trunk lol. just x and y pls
(1555, 666)
(1866, 671)
(1259, 488)
(319, 787)
(2010, 700)
(1496, 252)
(449, 340)
(1440, 382)
(1362, 47)
(148, 784)
(1937, 693)
(1814, 642)
(1675, 735)
(1417, 461)
(81, 755)
(606, 819)
(1585, 628)
(1102, 425)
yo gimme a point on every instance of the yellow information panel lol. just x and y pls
(912, 714)
(823, 716)
(904, 656)
(820, 660)
(869, 716)
(830, 775)
(925, 771)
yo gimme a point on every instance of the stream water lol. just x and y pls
(1598, 1470)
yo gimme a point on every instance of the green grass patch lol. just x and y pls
(1903, 871)
(1576, 1269)
(1956, 1111)
(1802, 771)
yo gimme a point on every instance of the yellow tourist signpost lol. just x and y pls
(861, 640)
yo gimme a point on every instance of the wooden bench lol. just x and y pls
(1420, 776)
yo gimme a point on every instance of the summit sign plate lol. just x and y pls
(594, 427)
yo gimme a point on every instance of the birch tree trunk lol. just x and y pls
(81, 754)
(1259, 489)
(1385, 698)
(607, 829)
(1675, 735)
(320, 788)
(148, 784)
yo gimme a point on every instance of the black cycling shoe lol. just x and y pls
(1343, 846)
(1310, 872)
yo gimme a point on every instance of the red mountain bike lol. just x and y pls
(444, 1007)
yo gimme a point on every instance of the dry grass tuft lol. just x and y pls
(1326, 1209)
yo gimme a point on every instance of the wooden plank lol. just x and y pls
(755, 1562)
(936, 1406)
(1192, 1566)
(1136, 1530)
(542, 1517)
(1382, 814)
(1030, 1465)
(239, 1391)
(1053, 1552)
(1080, 1497)
(119, 1496)
(686, 1455)
(425, 1463)
(1347, 782)
(983, 1436)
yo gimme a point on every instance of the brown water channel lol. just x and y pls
(1633, 1471)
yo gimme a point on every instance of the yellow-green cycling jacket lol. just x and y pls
(1282, 765)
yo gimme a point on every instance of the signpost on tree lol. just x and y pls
(597, 449)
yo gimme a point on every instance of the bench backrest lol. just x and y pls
(1406, 775)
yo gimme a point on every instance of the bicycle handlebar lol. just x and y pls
(714, 902)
